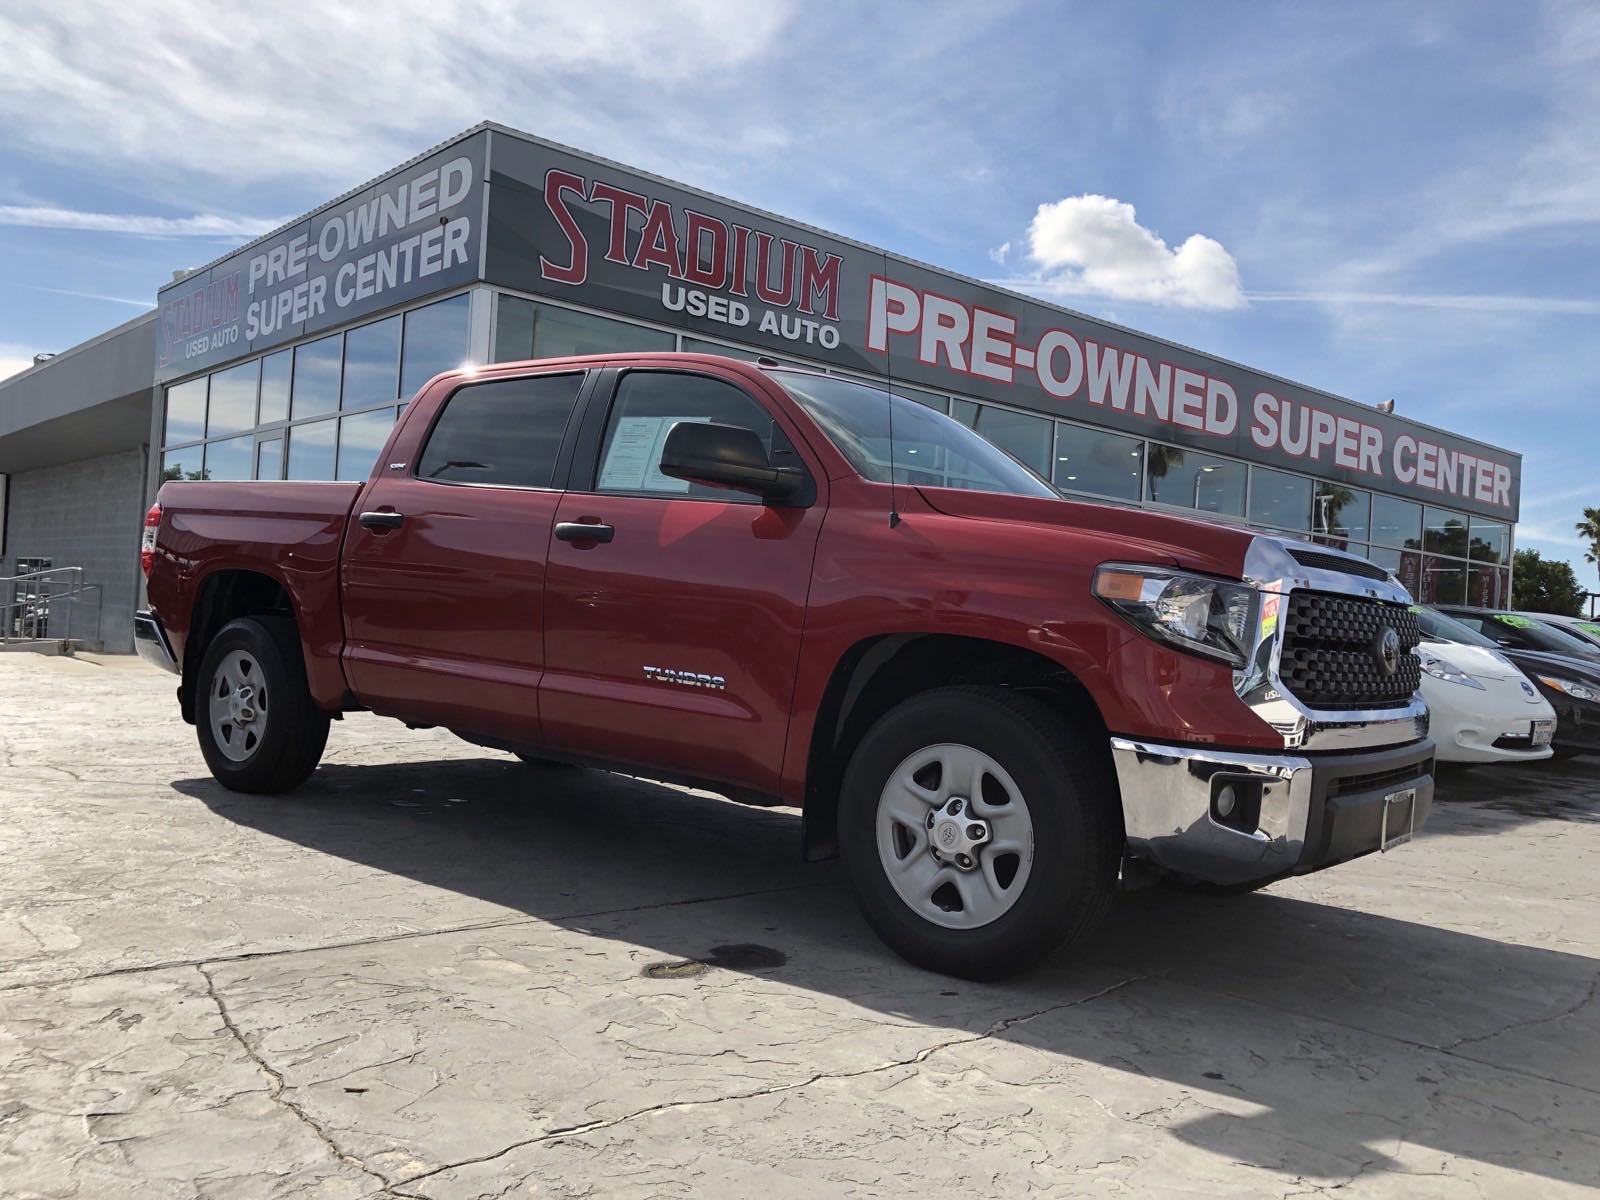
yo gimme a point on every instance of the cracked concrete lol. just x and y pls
(421, 976)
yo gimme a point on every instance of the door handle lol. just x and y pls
(381, 520)
(584, 531)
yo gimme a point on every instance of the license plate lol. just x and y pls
(1543, 731)
(1399, 819)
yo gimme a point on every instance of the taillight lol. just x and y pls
(147, 543)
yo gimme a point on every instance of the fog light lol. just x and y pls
(1226, 801)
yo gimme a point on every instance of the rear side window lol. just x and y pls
(506, 432)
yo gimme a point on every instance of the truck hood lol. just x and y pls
(1132, 533)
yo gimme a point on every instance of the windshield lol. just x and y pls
(1436, 627)
(929, 448)
(1540, 636)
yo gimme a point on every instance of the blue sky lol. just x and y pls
(1380, 200)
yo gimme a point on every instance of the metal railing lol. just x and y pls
(54, 605)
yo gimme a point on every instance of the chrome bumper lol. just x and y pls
(1290, 813)
(150, 640)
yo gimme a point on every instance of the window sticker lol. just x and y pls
(634, 456)
(1515, 621)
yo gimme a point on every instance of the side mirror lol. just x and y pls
(728, 456)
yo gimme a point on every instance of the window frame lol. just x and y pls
(602, 401)
(563, 462)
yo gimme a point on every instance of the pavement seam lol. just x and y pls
(276, 1085)
(1594, 987)
(407, 935)
(916, 1059)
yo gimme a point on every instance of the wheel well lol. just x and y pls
(878, 673)
(224, 597)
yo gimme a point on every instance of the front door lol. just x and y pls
(444, 565)
(674, 642)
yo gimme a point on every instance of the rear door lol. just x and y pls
(444, 565)
(674, 642)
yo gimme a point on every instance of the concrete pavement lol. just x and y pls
(435, 972)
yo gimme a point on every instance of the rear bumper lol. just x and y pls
(150, 640)
(1290, 814)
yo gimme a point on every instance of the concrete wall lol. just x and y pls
(84, 514)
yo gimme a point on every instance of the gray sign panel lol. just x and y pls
(415, 232)
(593, 233)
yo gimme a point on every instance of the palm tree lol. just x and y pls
(1589, 530)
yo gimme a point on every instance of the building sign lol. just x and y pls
(593, 233)
(416, 232)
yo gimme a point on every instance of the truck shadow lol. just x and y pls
(1298, 1036)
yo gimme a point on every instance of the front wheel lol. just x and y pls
(259, 729)
(978, 831)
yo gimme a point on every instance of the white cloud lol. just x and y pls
(14, 358)
(1460, 302)
(1095, 245)
(999, 254)
(330, 94)
(204, 225)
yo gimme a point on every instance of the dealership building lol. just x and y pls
(292, 357)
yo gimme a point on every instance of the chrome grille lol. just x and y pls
(1331, 655)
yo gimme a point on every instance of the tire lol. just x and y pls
(1054, 894)
(273, 738)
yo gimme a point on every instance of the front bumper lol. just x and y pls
(150, 640)
(1292, 814)
(1488, 724)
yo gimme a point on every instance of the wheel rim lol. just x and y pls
(955, 836)
(238, 706)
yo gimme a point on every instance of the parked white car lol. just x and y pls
(1483, 709)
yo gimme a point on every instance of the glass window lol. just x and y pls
(1026, 438)
(1528, 633)
(930, 399)
(1340, 516)
(647, 407)
(188, 463)
(1102, 464)
(311, 450)
(964, 411)
(1436, 627)
(506, 432)
(1280, 499)
(700, 346)
(233, 400)
(1488, 587)
(372, 365)
(435, 340)
(360, 439)
(1191, 480)
(230, 459)
(1488, 541)
(316, 379)
(269, 459)
(275, 387)
(186, 412)
(1404, 565)
(929, 448)
(1444, 580)
(1396, 523)
(523, 329)
(1444, 532)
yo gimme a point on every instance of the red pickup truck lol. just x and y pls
(996, 704)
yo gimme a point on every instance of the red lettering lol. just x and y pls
(715, 275)
(576, 269)
(620, 200)
(784, 295)
(819, 278)
(658, 243)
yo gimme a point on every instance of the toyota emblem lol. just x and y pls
(1388, 649)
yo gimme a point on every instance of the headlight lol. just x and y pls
(1449, 672)
(1578, 691)
(1193, 612)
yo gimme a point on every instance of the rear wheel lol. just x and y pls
(258, 727)
(977, 829)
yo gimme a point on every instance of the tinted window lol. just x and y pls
(269, 459)
(1025, 438)
(186, 412)
(1436, 627)
(649, 404)
(505, 432)
(1280, 499)
(1340, 516)
(316, 378)
(1444, 532)
(311, 450)
(1103, 464)
(1396, 523)
(1488, 541)
(1192, 480)
(230, 459)
(372, 365)
(233, 400)
(523, 329)
(360, 439)
(275, 386)
(1522, 632)
(435, 340)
